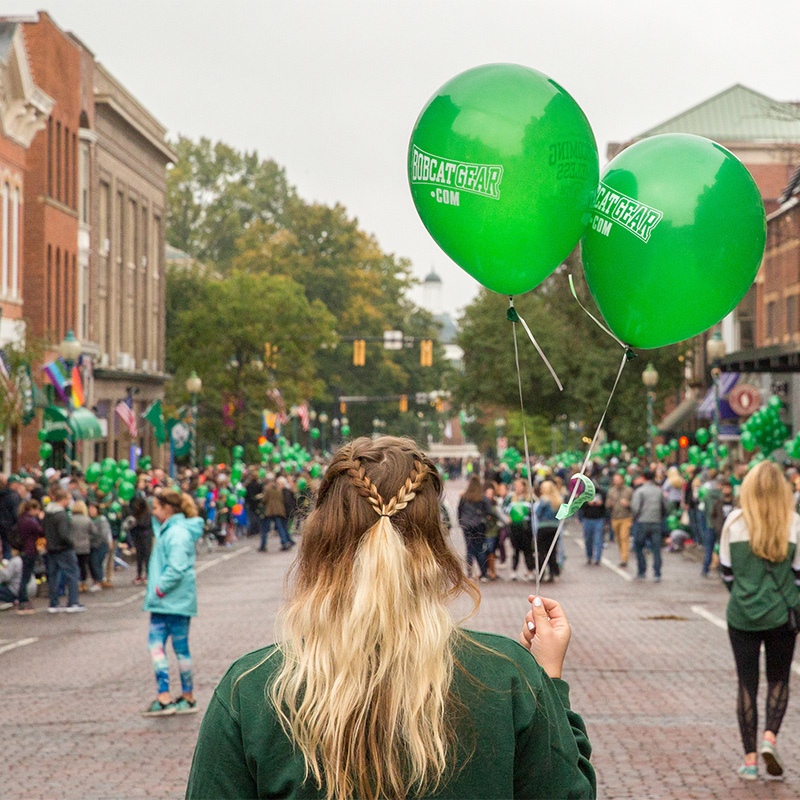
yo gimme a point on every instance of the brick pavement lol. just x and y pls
(658, 695)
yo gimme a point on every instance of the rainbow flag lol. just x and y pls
(57, 378)
(77, 389)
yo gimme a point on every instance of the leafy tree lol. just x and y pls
(585, 359)
(221, 331)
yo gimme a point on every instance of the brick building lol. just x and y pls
(24, 111)
(94, 193)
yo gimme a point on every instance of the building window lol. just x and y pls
(15, 243)
(54, 296)
(5, 242)
(50, 156)
(770, 320)
(83, 194)
(48, 318)
(105, 213)
(74, 198)
(58, 161)
(67, 172)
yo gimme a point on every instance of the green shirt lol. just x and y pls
(520, 738)
(757, 602)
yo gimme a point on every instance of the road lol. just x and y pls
(649, 666)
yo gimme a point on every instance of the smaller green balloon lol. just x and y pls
(115, 508)
(775, 402)
(315, 433)
(105, 484)
(231, 500)
(702, 436)
(45, 450)
(262, 473)
(302, 484)
(126, 491)
(673, 445)
(202, 491)
(208, 460)
(108, 466)
(276, 458)
(122, 465)
(345, 430)
(315, 471)
(129, 476)
(748, 441)
(93, 473)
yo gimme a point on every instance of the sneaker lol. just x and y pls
(772, 760)
(159, 709)
(56, 609)
(95, 587)
(184, 706)
(107, 585)
(657, 579)
(4, 606)
(75, 608)
(484, 579)
(513, 576)
(748, 772)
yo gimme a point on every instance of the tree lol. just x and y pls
(222, 330)
(585, 359)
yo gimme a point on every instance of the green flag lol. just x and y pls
(155, 416)
(180, 435)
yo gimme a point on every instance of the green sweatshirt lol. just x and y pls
(520, 738)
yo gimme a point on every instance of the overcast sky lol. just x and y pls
(331, 90)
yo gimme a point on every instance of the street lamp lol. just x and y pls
(323, 421)
(335, 425)
(312, 416)
(650, 379)
(70, 351)
(194, 385)
(715, 350)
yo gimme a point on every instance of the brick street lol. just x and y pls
(649, 666)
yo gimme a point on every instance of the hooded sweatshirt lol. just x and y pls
(57, 528)
(171, 585)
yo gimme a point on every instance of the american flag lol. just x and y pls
(302, 412)
(124, 411)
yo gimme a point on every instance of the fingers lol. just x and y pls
(552, 607)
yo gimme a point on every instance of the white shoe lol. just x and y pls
(513, 576)
(74, 609)
(95, 587)
(55, 609)
(4, 606)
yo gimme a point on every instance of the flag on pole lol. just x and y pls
(56, 377)
(77, 388)
(302, 413)
(124, 411)
(155, 416)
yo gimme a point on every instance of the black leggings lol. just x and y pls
(779, 646)
(522, 542)
(142, 541)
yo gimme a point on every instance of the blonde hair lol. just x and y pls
(79, 507)
(550, 492)
(766, 501)
(367, 639)
(180, 503)
(674, 478)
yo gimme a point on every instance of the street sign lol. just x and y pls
(744, 399)
(393, 340)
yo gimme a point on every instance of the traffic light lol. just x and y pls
(403, 403)
(683, 441)
(426, 353)
(342, 408)
(270, 355)
(439, 405)
(359, 352)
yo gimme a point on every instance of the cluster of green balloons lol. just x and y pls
(764, 429)
(511, 458)
(110, 475)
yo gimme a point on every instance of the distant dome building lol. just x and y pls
(432, 294)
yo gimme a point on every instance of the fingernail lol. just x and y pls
(530, 626)
(537, 601)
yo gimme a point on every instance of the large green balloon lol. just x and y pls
(126, 491)
(503, 166)
(45, 450)
(675, 240)
(93, 473)
(105, 484)
(109, 467)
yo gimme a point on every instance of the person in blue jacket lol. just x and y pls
(171, 597)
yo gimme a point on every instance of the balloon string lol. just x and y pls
(592, 316)
(527, 455)
(513, 316)
(625, 359)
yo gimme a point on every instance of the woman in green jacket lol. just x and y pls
(372, 690)
(760, 565)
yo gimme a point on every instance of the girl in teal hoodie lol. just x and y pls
(171, 597)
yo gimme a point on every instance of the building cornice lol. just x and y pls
(113, 104)
(111, 374)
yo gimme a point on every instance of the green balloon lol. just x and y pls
(208, 460)
(45, 450)
(231, 500)
(238, 452)
(202, 491)
(672, 212)
(126, 491)
(519, 511)
(673, 445)
(262, 473)
(276, 458)
(315, 471)
(115, 508)
(105, 484)
(722, 451)
(302, 484)
(345, 430)
(93, 473)
(129, 476)
(702, 436)
(108, 467)
(748, 441)
(264, 448)
(503, 166)
(775, 402)
(122, 465)
(314, 433)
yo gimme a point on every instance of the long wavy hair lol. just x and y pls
(767, 503)
(366, 636)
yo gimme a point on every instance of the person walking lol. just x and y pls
(252, 502)
(760, 565)
(474, 511)
(372, 690)
(141, 535)
(11, 492)
(171, 597)
(30, 531)
(649, 510)
(100, 541)
(593, 519)
(520, 528)
(545, 510)
(61, 558)
(81, 539)
(618, 503)
(274, 513)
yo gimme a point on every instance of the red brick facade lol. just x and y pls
(778, 283)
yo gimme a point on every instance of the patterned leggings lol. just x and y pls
(162, 626)
(779, 647)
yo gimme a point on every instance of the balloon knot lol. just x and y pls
(511, 314)
(629, 354)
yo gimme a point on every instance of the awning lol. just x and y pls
(58, 423)
(677, 418)
(727, 380)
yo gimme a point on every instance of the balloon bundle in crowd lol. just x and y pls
(764, 431)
